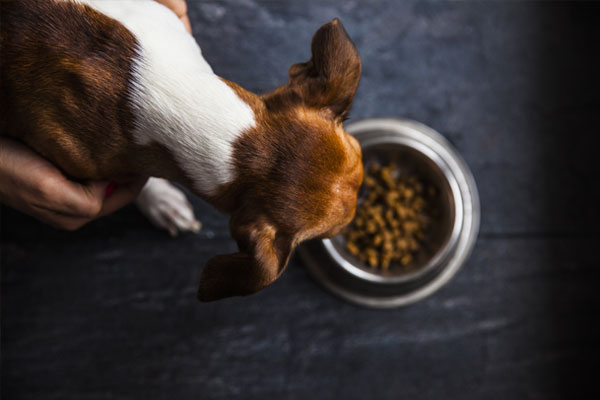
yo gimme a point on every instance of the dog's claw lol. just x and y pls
(196, 226)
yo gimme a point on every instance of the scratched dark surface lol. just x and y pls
(109, 312)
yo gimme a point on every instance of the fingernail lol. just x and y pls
(109, 189)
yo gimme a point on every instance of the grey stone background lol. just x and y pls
(109, 312)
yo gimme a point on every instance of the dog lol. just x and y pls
(114, 89)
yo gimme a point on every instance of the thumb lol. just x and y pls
(83, 199)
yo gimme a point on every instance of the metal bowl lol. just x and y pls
(421, 151)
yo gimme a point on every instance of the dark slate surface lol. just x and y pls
(109, 312)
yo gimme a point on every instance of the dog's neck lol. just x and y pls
(194, 114)
(178, 102)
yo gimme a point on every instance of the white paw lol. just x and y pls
(167, 207)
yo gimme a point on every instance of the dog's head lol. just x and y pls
(298, 171)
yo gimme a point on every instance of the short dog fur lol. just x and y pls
(114, 89)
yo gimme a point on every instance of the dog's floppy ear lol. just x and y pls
(264, 254)
(330, 78)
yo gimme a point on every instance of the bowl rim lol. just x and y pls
(373, 295)
(456, 224)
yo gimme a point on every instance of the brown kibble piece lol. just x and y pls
(418, 204)
(371, 227)
(370, 182)
(359, 222)
(377, 240)
(372, 257)
(385, 262)
(386, 177)
(352, 248)
(391, 197)
(402, 244)
(406, 259)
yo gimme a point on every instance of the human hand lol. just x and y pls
(179, 7)
(31, 184)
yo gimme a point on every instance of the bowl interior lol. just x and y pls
(412, 160)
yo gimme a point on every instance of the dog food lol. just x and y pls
(392, 221)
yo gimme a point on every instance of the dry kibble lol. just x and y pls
(371, 227)
(374, 169)
(410, 227)
(401, 211)
(388, 246)
(372, 257)
(385, 262)
(359, 222)
(418, 204)
(370, 181)
(392, 221)
(352, 248)
(402, 244)
(391, 198)
(353, 236)
(386, 177)
(413, 245)
(377, 240)
(406, 259)
(389, 215)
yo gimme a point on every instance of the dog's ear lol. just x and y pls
(330, 78)
(264, 254)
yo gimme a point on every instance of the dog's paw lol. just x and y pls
(167, 207)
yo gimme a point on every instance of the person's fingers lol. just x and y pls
(69, 223)
(179, 7)
(186, 22)
(75, 199)
(59, 220)
(122, 195)
(88, 202)
(34, 186)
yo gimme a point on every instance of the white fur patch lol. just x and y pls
(180, 102)
(167, 207)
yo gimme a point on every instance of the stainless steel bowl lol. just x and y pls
(425, 153)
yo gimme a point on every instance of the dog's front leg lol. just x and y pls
(167, 207)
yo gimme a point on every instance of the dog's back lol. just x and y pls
(65, 75)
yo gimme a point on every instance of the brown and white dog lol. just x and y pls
(113, 89)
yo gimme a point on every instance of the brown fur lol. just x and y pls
(65, 88)
(297, 172)
(77, 74)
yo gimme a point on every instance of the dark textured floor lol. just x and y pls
(109, 312)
